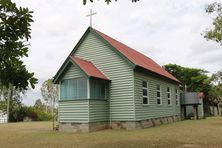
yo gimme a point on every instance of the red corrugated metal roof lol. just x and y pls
(89, 68)
(136, 57)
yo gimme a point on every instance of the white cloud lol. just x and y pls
(168, 31)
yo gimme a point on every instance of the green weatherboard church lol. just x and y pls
(106, 84)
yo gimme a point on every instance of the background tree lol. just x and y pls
(14, 35)
(216, 91)
(38, 104)
(15, 104)
(49, 92)
(197, 80)
(107, 1)
(217, 77)
(194, 79)
(215, 33)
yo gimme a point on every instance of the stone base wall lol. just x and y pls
(83, 127)
(97, 126)
(92, 127)
(144, 123)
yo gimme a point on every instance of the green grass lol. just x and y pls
(190, 133)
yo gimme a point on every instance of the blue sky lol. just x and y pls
(168, 31)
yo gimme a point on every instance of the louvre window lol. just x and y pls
(168, 96)
(158, 94)
(73, 89)
(145, 90)
(97, 89)
(177, 97)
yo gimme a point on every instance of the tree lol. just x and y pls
(15, 104)
(107, 1)
(217, 77)
(194, 79)
(49, 93)
(38, 104)
(216, 91)
(15, 33)
(215, 33)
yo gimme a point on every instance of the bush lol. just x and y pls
(33, 116)
(44, 116)
(21, 113)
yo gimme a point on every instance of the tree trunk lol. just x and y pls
(219, 112)
(53, 115)
(8, 101)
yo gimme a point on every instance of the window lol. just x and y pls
(158, 94)
(97, 89)
(73, 89)
(168, 96)
(145, 92)
(177, 97)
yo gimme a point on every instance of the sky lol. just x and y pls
(168, 31)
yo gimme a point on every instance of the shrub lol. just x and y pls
(33, 116)
(44, 116)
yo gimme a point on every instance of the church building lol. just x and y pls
(104, 84)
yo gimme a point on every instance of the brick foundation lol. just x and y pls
(144, 123)
(83, 127)
(128, 125)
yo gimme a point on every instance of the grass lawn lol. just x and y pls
(189, 133)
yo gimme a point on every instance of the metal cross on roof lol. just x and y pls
(90, 15)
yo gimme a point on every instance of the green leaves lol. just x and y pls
(195, 79)
(15, 26)
(216, 90)
(215, 34)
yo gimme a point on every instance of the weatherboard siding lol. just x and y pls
(115, 69)
(72, 72)
(154, 110)
(73, 111)
(98, 110)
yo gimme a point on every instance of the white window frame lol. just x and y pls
(177, 97)
(147, 89)
(169, 93)
(160, 97)
(77, 81)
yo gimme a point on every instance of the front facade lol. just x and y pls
(106, 84)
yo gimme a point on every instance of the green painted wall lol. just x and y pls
(83, 110)
(154, 110)
(117, 70)
(72, 72)
(98, 110)
(73, 110)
